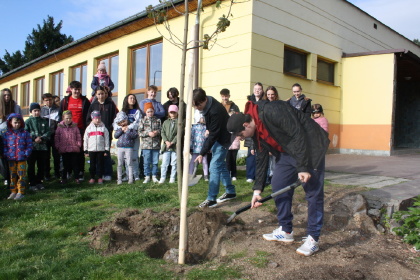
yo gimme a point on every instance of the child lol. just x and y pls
(169, 132)
(96, 146)
(318, 116)
(40, 133)
(149, 131)
(17, 149)
(198, 136)
(125, 144)
(101, 79)
(68, 142)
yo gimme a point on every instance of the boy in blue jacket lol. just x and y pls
(17, 149)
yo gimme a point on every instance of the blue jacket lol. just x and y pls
(125, 139)
(17, 143)
(157, 106)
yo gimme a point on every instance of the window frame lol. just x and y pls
(81, 79)
(143, 91)
(60, 84)
(15, 93)
(25, 97)
(38, 95)
(304, 58)
(331, 72)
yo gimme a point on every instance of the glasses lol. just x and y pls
(296, 91)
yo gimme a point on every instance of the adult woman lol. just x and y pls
(272, 93)
(132, 109)
(299, 100)
(172, 95)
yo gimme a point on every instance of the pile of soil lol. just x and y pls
(351, 246)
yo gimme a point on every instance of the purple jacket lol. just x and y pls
(17, 143)
(67, 138)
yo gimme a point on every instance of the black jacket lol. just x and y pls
(216, 119)
(64, 105)
(299, 136)
(303, 104)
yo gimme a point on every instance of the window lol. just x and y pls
(79, 73)
(57, 84)
(146, 68)
(14, 90)
(112, 66)
(325, 71)
(39, 89)
(24, 99)
(295, 62)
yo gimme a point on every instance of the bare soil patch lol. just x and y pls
(350, 245)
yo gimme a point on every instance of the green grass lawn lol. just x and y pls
(43, 236)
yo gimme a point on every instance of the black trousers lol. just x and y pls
(70, 163)
(231, 162)
(96, 164)
(56, 159)
(39, 158)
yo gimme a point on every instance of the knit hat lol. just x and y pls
(120, 117)
(173, 108)
(34, 106)
(102, 66)
(147, 106)
(236, 123)
(95, 115)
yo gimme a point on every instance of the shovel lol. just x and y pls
(192, 179)
(245, 208)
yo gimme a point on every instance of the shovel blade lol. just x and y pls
(193, 180)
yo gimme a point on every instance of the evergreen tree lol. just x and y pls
(416, 41)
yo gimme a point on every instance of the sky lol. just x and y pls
(83, 17)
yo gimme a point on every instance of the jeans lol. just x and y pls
(284, 175)
(169, 157)
(151, 159)
(250, 165)
(219, 172)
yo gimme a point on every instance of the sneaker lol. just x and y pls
(154, 179)
(206, 178)
(279, 235)
(162, 180)
(233, 178)
(309, 247)
(40, 187)
(100, 181)
(119, 182)
(225, 197)
(137, 179)
(146, 180)
(172, 180)
(12, 196)
(130, 182)
(106, 178)
(19, 196)
(249, 180)
(208, 203)
(124, 179)
(81, 176)
(91, 181)
(33, 188)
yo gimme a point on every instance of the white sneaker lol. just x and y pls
(172, 180)
(19, 196)
(119, 182)
(106, 178)
(124, 179)
(233, 178)
(279, 235)
(12, 196)
(137, 179)
(162, 180)
(309, 247)
(249, 180)
(146, 180)
(154, 179)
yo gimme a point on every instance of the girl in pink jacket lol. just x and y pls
(68, 142)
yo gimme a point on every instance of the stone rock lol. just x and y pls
(375, 213)
(380, 228)
(356, 203)
(272, 264)
(171, 255)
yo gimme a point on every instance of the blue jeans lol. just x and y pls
(169, 157)
(151, 159)
(219, 172)
(250, 165)
(285, 174)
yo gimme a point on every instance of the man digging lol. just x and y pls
(299, 146)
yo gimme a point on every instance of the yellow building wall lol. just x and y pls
(367, 98)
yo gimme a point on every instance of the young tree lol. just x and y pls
(42, 40)
(416, 41)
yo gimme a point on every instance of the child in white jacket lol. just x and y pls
(96, 146)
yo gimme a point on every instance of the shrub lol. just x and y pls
(410, 228)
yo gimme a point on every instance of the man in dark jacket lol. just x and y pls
(299, 145)
(79, 106)
(218, 141)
